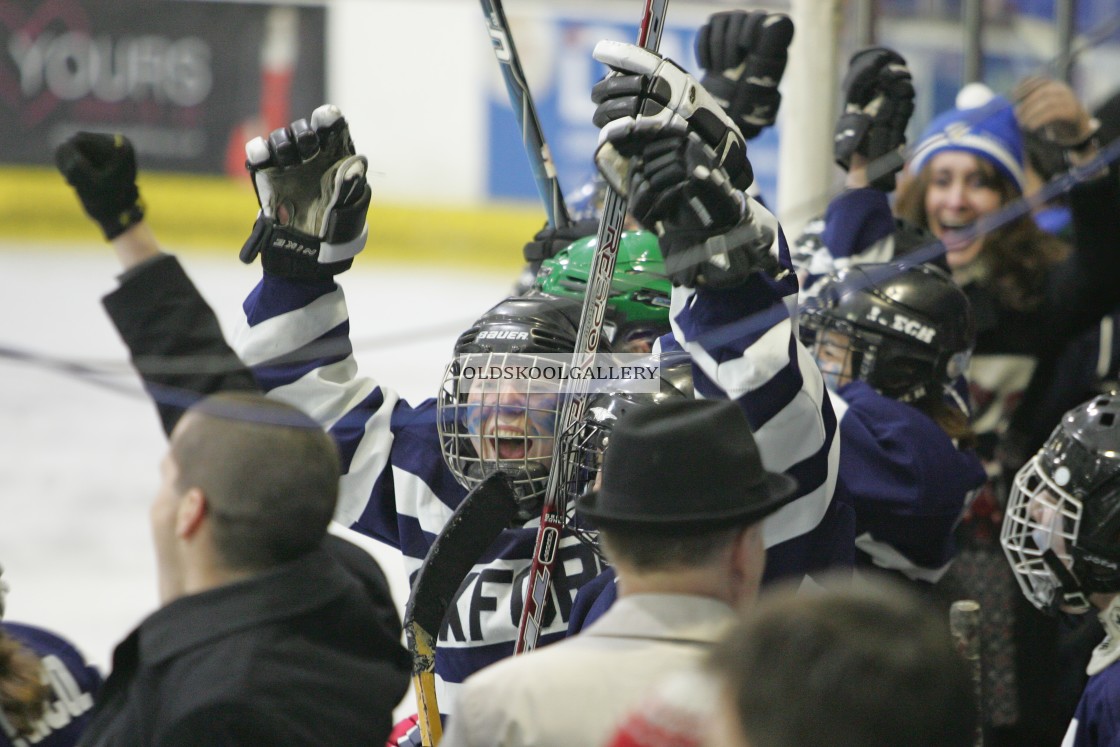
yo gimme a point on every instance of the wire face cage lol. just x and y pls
(494, 416)
(1039, 530)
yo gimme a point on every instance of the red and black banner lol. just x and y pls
(187, 82)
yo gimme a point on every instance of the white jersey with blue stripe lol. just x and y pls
(395, 485)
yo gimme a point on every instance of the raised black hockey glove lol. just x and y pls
(102, 170)
(550, 241)
(878, 102)
(706, 234)
(313, 196)
(744, 56)
(646, 98)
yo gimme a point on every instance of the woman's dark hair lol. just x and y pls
(954, 422)
(1016, 256)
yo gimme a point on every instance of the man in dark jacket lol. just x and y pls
(270, 632)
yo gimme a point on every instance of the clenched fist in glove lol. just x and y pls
(313, 196)
(878, 102)
(744, 56)
(678, 190)
(102, 170)
(646, 97)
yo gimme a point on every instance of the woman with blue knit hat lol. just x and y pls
(1030, 292)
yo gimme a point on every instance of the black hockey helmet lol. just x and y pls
(909, 328)
(1061, 533)
(582, 445)
(486, 425)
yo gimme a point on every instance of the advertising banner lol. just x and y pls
(555, 50)
(187, 82)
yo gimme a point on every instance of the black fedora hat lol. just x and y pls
(684, 465)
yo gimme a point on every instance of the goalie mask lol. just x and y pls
(492, 424)
(1061, 532)
(638, 306)
(906, 331)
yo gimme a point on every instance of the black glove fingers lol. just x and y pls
(668, 144)
(615, 86)
(283, 147)
(739, 32)
(666, 171)
(97, 148)
(704, 44)
(306, 140)
(863, 73)
(612, 109)
(641, 200)
(743, 38)
(71, 161)
(774, 37)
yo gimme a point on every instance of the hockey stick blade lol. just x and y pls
(475, 524)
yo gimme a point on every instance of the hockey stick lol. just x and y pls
(554, 512)
(540, 157)
(475, 524)
(964, 624)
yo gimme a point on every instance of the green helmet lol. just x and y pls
(638, 307)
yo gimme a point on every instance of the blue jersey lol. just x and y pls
(1096, 723)
(73, 683)
(908, 482)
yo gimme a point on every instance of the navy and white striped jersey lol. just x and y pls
(744, 346)
(395, 485)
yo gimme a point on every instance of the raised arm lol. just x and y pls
(172, 334)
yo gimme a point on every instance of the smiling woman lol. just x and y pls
(1031, 293)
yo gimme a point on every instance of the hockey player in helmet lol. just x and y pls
(1061, 536)
(638, 306)
(905, 330)
(891, 341)
(491, 425)
(1061, 532)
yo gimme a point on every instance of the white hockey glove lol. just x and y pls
(744, 56)
(647, 97)
(313, 198)
(705, 229)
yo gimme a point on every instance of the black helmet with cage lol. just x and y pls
(907, 330)
(1061, 532)
(489, 422)
(582, 445)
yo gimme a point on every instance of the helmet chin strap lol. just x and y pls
(1072, 597)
